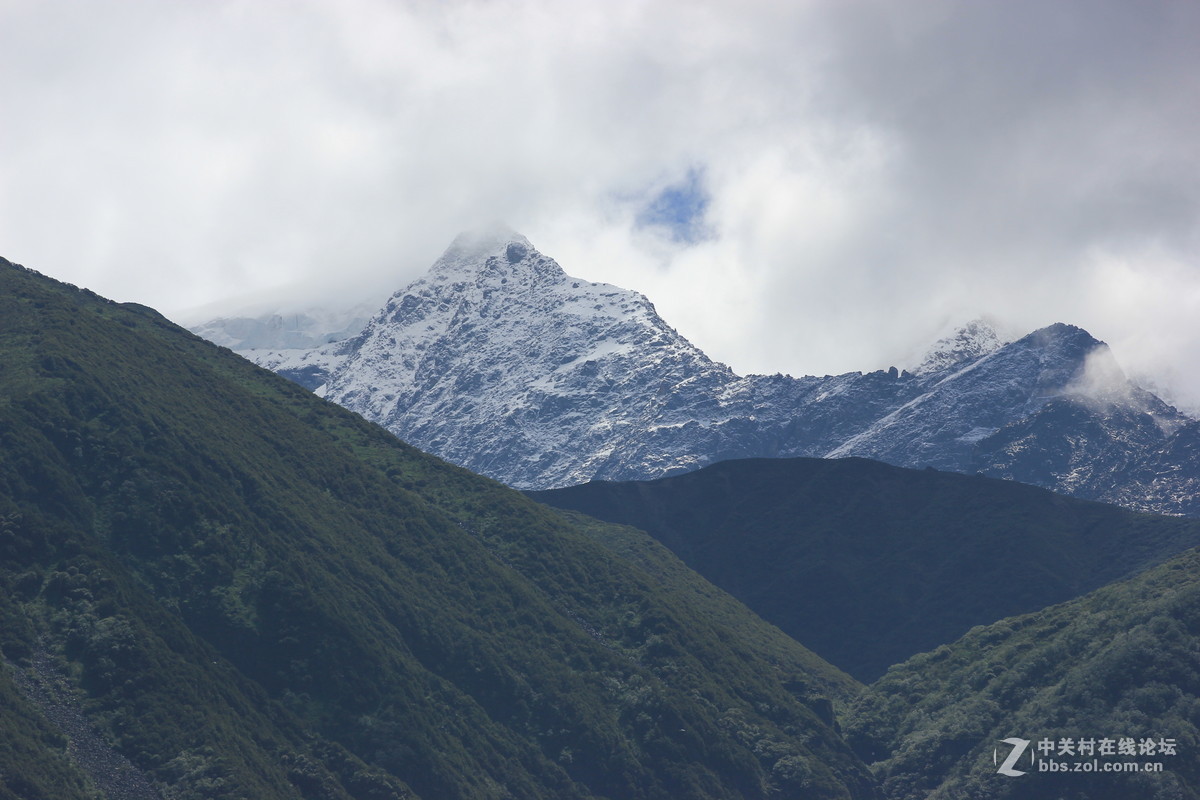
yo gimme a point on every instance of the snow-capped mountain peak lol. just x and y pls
(494, 248)
(498, 337)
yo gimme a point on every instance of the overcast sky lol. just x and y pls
(799, 187)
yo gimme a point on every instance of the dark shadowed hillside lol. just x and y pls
(869, 564)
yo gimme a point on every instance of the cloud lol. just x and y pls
(811, 187)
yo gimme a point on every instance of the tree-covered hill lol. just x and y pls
(1111, 679)
(869, 564)
(214, 584)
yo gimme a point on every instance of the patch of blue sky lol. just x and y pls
(679, 209)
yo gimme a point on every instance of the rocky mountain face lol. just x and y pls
(499, 361)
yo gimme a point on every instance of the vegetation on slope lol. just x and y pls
(1120, 663)
(244, 591)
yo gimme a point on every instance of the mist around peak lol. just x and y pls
(483, 240)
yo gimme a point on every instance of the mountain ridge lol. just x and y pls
(501, 362)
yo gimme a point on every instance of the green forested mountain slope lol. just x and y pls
(869, 564)
(1120, 663)
(214, 584)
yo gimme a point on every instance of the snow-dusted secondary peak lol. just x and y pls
(975, 339)
(286, 330)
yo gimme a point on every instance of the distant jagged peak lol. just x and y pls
(965, 343)
(286, 329)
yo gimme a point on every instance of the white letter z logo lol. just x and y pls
(1018, 747)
